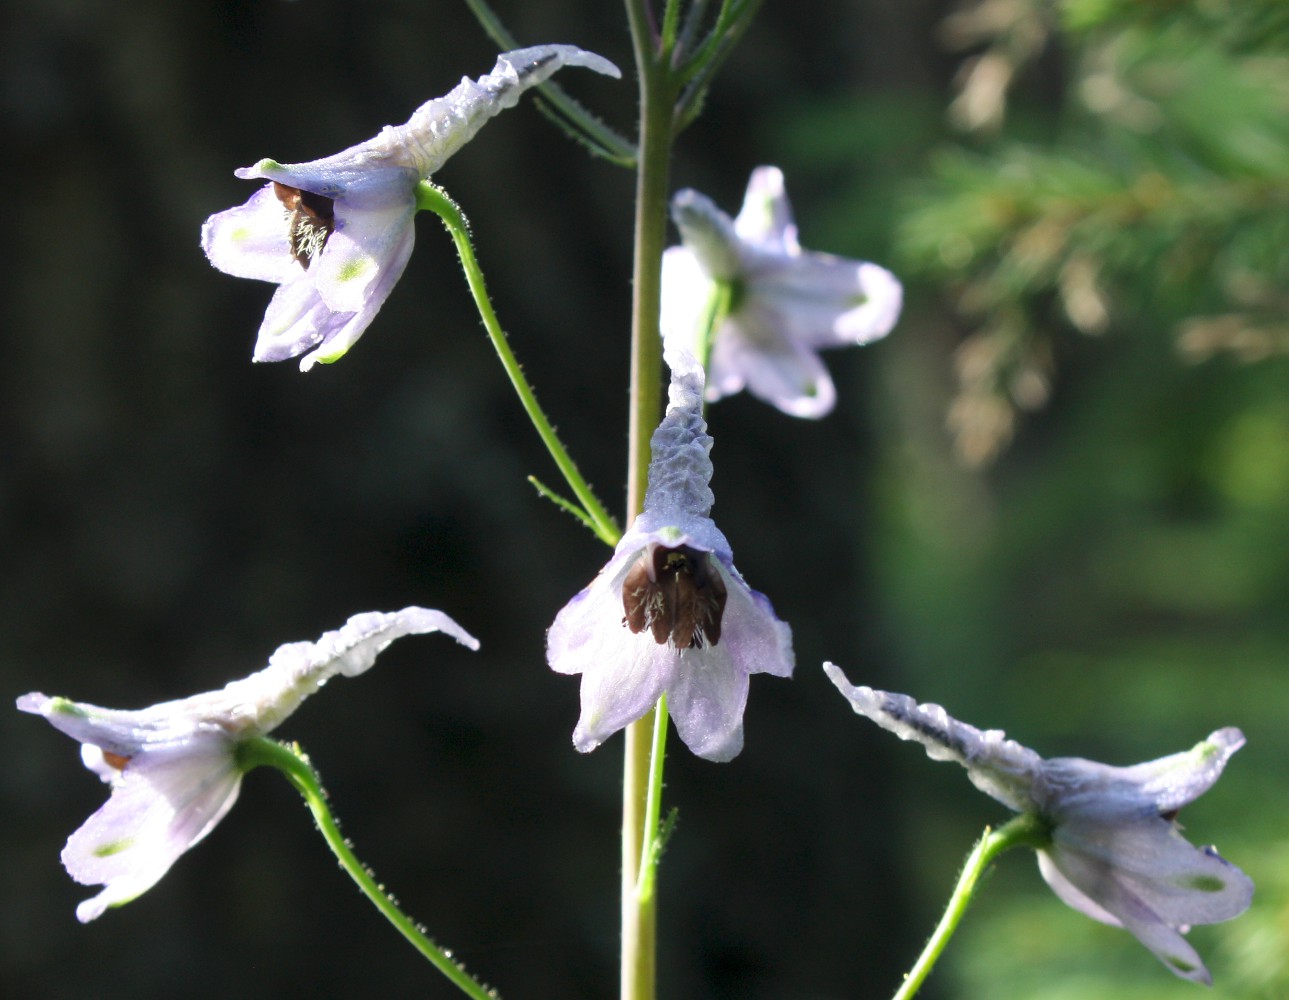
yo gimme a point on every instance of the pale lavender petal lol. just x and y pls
(622, 673)
(163, 804)
(337, 343)
(124, 733)
(751, 634)
(624, 689)
(749, 352)
(388, 165)
(820, 300)
(680, 468)
(296, 321)
(1070, 894)
(686, 298)
(1149, 880)
(996, 765)
(297, 669)
(765, 221)
(438, 128)
(251, 240)
(1177, 780)
(1089, 790)
(361, 175)
(708, 233)
(706, 699)
(363, 247)
(1181, 883)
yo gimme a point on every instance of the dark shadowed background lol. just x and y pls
(1113, 586)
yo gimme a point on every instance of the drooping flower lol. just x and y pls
(335, 234)
(785, 303)
(1115, 852)
(174, 767)
(669, 612)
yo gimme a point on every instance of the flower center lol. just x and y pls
(677, 594)
(310, 218)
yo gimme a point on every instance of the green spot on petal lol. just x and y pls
(1205, 883)
(352, 269)
(62, 706)
(1180, 964)
(113, 847)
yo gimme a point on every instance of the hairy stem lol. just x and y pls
(434, 199)
(292, 762)
(657, 101)
(1023, 829)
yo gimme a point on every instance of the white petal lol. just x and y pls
(163, 804)
(1177, 780)
(686, 298)
(364, 242)
(297, 669)
(706, 699)
(623, 673)
(1181, 883)
(296, 320)
(825, 301)
(755, 639)
(438, 128)
(1148, 879)
(622, 687)
(337, 344)
(766, 217)
(680, 467)
(996, 765)
(251, 240)
(1070, 894)
(1091, 791)
(708, 233)
(751, 352)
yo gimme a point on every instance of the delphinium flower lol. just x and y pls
(1113, 849)
(335, 234)
(174, 768)
(784, 303)
(669, 612)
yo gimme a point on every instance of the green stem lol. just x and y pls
(292, 762)
(1024, 829)
(433, 198)
(651, 847)
(657, 103)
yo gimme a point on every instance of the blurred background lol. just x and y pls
(1053, 500)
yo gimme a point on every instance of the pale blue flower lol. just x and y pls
(173, 767)
(786, 303)
(1115, 852)
(669, 612)
(335, 234)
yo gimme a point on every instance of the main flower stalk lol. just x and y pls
(657, 101)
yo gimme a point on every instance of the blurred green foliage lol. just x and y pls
(1116, 584)
(1160, 196)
